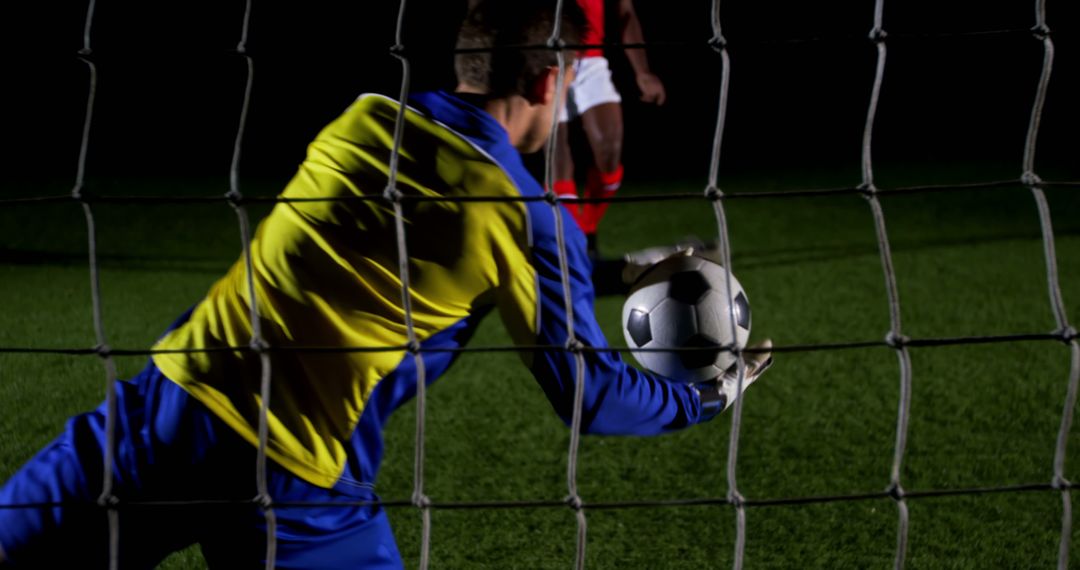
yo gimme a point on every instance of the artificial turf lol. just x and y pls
(821, 423)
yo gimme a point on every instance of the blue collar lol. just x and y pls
(480, 128)
(460, 115)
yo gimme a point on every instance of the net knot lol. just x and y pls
(108, 501)
(895, 491)
(421, 501)
(895, 339)
(234, 197)
(713, 193)
(85, 52)
(264, 501)
(397, 50)
(575, 502)
(551, 198)
(1060, 483)
(1029, 179)
(868, 190)
(1040, 31)
(392, 195)
(555, 43)
(103, 350)
(1068, 334)
(412, 346)
(574, 345)
(258, 345)
(877, 35)
(718, 43)
(78, 196)
(736, 499)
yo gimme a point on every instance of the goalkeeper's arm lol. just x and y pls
(618, 398)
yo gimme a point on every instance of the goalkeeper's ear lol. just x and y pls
(541, 90)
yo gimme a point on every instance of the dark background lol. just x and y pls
(170, 85)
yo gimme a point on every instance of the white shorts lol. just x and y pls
(592, 86)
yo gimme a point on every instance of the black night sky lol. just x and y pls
(170, 84)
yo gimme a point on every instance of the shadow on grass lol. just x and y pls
(45, 258)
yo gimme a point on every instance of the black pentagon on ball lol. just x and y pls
(688, 287)
(693, 359)
(637, 324)
(742, 311)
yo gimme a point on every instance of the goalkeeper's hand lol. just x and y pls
(638, 262)
(719, 394)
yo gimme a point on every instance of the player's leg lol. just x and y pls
(48, 508)
(565, 185)
(599, 104)
(353, 533)
(61, 525)
(603, 125)
(204, 460)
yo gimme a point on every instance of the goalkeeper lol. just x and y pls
(326, 276)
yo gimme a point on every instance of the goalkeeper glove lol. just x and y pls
(720, 393)
(638, 262)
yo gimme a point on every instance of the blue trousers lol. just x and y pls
(171, 449)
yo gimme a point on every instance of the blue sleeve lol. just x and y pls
(618, 398)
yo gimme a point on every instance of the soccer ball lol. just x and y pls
(683, 302)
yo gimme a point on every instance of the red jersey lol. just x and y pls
(594, 29)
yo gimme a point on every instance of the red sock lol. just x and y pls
(568, 189)
(599, 185)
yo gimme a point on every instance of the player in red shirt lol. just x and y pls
(594, 99)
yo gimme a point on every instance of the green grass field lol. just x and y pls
(819, 423)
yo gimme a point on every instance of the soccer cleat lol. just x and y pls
(719, 394)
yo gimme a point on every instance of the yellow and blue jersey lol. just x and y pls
(326, 275)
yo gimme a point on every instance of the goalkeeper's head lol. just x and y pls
(498, 69)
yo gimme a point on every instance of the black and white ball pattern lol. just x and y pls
(680, 303)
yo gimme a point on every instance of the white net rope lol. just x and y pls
(258, 343)
(713, 194)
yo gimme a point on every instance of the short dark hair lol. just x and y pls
(490, 25)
